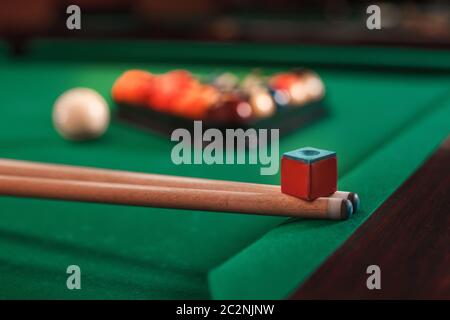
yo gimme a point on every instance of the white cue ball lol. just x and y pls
(81, 114)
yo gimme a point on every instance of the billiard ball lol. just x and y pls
(314, 86)
(81, 114)
(309, 86)
(262, 103)
(252, 81)
(168, 86)
(194, 102)
(133, 87)
(288, 89)
(298, 92)
(281, 97)
(226, 82)
(231, 108)
(297, 88)
(260, 99)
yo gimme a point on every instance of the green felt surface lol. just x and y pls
(248, 54)
(129, 252)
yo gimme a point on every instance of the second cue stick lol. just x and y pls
(57, 171)
(165, 197)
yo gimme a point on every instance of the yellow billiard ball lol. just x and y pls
(314, 86)
(81, 114)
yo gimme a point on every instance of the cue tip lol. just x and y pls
(346, 209)
(339, 209)
(354, 198)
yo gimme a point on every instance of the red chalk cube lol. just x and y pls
(309, 173)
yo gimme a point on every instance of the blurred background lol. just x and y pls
(404, 23)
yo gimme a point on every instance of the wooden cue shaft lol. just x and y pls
(55, 171)
(168, 197)
(58, 171)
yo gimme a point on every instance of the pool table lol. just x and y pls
(388, 111)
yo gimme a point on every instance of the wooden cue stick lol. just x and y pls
(178, 198)
(55, 171)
